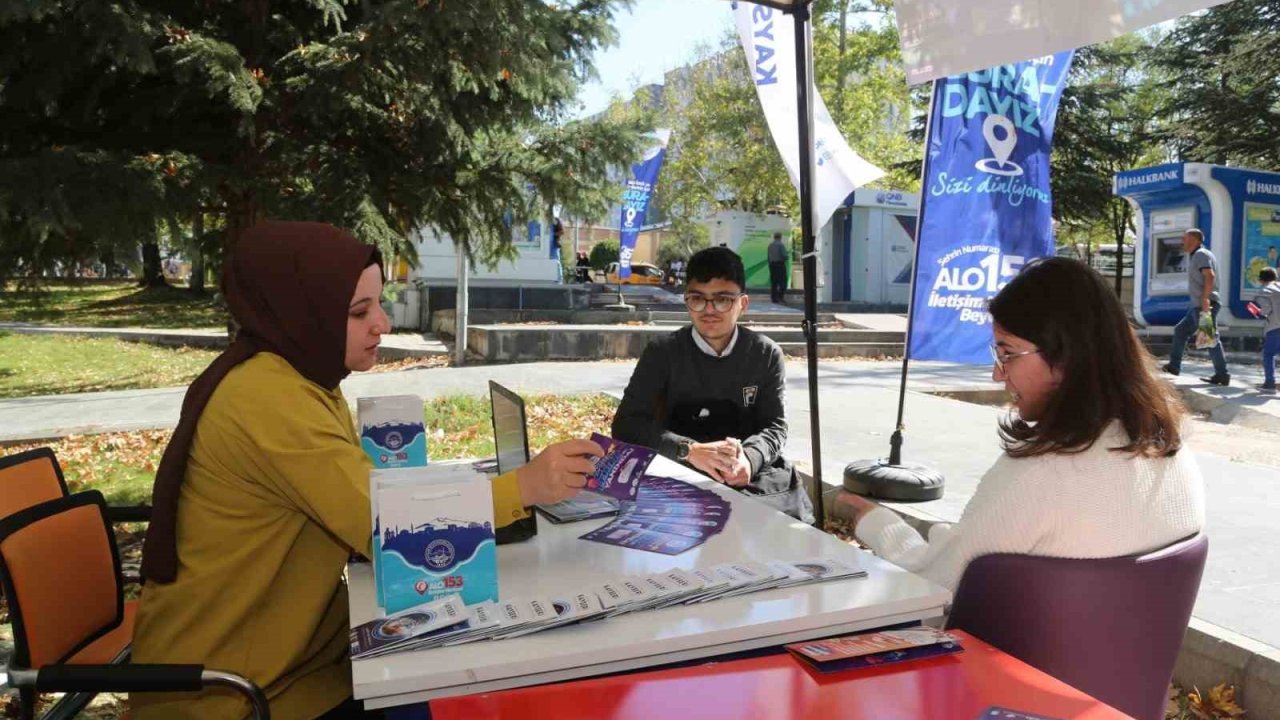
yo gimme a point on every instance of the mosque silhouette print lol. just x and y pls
(439, 545)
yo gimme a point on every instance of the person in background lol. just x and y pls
(1202, 282)
(1268, 302)
(777, 269)
(262, 494)
(712, 394)
(1094, 464)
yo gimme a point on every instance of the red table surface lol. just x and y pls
(780, 687)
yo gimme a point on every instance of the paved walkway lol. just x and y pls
(56, 415)
(394, 346)
(885, 322)
(193, 337)
(1241, 589)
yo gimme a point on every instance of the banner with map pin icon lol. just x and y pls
(986, 208)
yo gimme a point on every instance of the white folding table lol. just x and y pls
(557, 559)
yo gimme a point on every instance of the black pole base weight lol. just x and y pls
(881, 479)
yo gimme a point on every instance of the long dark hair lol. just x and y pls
(1067, 310)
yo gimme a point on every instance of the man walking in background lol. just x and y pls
(1202, 281)
(777, 269)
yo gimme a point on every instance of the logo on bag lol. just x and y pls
(440, 554)
(394, 440)
(749, 395)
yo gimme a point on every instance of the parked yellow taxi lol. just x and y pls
(641, 274)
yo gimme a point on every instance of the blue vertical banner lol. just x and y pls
(986, 208)
(636, 197)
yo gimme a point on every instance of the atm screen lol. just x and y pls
(1169, 257)
(1167, 263)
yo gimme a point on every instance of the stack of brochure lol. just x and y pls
(877, 648)
(733, 579)
(405, 630)
(448, 622)
(586, 505)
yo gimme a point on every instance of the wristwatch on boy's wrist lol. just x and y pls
(682, 450)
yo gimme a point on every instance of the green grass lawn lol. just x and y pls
(123, 465)
(461, 426)
(107, 304)
(45, 365)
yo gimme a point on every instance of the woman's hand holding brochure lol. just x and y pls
(558, 472)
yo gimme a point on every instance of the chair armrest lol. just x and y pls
(137, 678)
(128, 513)
(119, 678)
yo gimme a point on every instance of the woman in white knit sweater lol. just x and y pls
(1094, 463)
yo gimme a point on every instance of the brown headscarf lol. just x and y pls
(288, 285)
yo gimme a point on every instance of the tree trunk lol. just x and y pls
(196, 284)
(108, 259)
(152, 274)
(840, 70)
(1120, 270)
(1123, 214)
(242, 213)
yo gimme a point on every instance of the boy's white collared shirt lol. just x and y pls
(705, 347)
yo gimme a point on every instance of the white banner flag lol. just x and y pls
(949, 37)
(768, 37)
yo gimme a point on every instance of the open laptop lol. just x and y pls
(510, 428)
(511, 443)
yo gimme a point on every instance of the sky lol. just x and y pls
(654, 36)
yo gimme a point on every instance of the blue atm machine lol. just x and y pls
(1239, 212)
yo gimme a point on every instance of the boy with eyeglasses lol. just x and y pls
(712, 394)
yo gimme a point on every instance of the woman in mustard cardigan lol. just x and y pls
(262, 494)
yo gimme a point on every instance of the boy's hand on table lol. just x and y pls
(723, 460)
(741, 473)
(712, 458)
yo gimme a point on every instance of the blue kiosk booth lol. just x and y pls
(1239, 212)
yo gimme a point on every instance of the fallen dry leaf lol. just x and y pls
(418, 363)
(1218, 704)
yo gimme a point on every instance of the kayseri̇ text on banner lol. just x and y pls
(768, 39)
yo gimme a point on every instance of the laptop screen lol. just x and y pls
(510, 437)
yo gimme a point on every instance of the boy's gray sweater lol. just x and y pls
(678, 392)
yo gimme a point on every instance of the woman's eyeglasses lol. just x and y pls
(722, 302)
(1001, 358)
